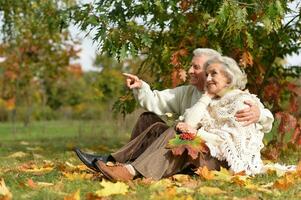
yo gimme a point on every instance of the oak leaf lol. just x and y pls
(110, 188)
(178, 76)
(246, 59)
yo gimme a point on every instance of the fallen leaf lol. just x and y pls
(184, 190)
(222, 175)
(31, 184)
(205, 173)
(31, 167)
(261, 189)
(167, 194)
(110, 188)
(5, 194)
(161, 184)
(180, 177)
(73, 196)
(44, 184)
(34, 148)
(24, 143)
(240, 180)
(285, 182)
(77, 176)
(210, 190)
(18, 154)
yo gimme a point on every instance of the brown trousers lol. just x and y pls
(147, 152)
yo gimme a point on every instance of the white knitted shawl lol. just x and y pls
(227, 139)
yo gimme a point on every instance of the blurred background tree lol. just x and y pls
(37, 49)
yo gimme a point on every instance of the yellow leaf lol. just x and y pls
(261, 189)
(222, 175)
(77, 176)
(168, 194)
(210, 190)
(33, 168)
(205, 173)
(240, 180)
(18, 154)
(110, 188)
(73, 196)
(10, 104)
(285, 182)
(161, 184)
(181, 177)
(44, 184)
(24, 143)
(5, 194)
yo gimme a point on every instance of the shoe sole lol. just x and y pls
(90, 167)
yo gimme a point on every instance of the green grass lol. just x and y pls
(52, 142)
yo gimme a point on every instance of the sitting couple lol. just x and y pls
(214, 106)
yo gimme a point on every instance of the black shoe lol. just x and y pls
(90, 159)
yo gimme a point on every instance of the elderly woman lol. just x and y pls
(230, 143)
(212, 117)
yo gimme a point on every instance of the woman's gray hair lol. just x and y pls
(210, 53)
(237, 77)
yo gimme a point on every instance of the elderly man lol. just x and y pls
(149, 126)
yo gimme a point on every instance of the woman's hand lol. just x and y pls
(183, 127)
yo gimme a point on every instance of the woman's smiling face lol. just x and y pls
(216, 80)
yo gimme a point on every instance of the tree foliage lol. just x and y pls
(257, 34)
(37, 49)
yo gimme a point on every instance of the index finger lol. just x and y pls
(129, 75)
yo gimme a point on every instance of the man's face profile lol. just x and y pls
(196, 71)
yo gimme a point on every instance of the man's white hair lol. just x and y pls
(210, 53)
(237, 77)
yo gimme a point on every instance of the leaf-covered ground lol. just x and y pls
(37, 162)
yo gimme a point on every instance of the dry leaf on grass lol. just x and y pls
(31, 184)
(31, 167)
(110, 188)
(77, 176)
(19, 154)
(210, 190)
(205, 173)
(285, 182)
(73, 196)
(240, 180)
(5, 194)
(222, 175)
(161, 184)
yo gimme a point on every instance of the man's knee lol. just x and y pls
(148, 115)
